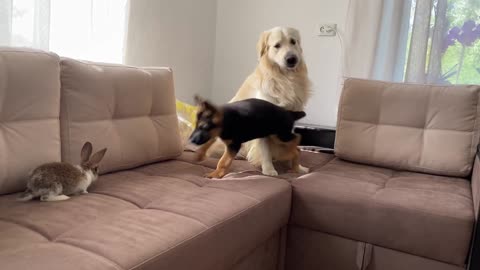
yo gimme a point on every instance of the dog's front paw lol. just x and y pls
(215, 174)
(269, 171)
(303, 169)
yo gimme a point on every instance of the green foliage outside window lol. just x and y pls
(461, 48)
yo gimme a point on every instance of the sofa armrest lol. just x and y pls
(476, 184)
(474, 260)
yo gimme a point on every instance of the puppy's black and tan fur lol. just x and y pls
(242, 121)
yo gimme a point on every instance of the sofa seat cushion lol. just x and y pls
(161, 216)
(425, 215)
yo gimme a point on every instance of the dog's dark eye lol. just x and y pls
(277, 46)
(210, 126)
(206, 126)
(293, 41)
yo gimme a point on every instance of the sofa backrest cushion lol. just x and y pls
(421, 128)
(29, 114)
(131, 111)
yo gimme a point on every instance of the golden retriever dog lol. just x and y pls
(281, 78)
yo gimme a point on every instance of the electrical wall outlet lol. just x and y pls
(326, 29)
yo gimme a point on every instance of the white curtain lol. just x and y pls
(86, 29)
(376, 34)
(361, 34)
(391, 45)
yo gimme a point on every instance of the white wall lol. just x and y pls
(211, 44)
(239, 24)
(179, 34)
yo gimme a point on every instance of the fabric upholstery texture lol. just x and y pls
(425, 215)
(312, 250)
(161, 216)
(29, 114)
(266, 256)
(421, 128)
(383, 258)
(131, 111)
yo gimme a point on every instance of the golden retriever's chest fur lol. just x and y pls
(290, 90)
(286, 90)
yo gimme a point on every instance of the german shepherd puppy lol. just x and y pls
(242, 121)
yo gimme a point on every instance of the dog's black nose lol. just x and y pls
(291, 60)
(199, 137)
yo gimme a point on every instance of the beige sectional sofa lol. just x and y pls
(398, 194)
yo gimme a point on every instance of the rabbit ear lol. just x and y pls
(86, 152)
(97, 157)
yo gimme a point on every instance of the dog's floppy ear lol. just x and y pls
(262, 45)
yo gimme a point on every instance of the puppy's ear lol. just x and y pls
(209, 106)
(204, 104)
(198, 100)
(262, 44)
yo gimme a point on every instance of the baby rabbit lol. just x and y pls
(55, 181)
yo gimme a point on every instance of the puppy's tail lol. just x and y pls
(298, 115)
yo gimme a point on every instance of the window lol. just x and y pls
(90, 30)
(447, 33)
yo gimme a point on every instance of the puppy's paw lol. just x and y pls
(303, 169)
(269, 171)
(215, 174)
(200, 157)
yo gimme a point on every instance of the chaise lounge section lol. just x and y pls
(398, 194)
